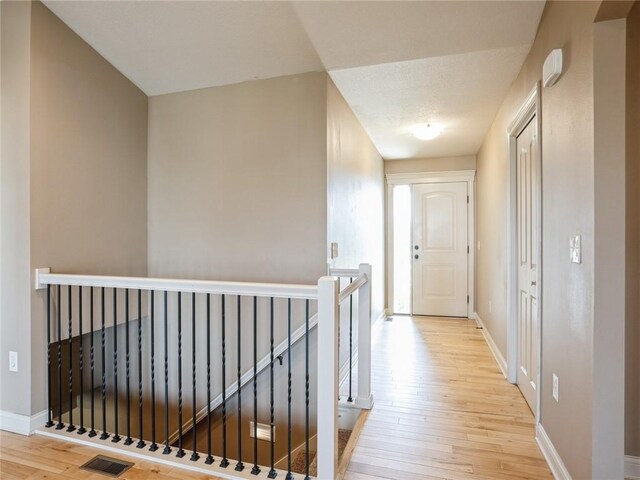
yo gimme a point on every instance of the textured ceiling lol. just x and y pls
(463, 92)
(395, 62)
(357, 33)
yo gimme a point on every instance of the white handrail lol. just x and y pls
(344, 272)
(177, 285)
(352, 287)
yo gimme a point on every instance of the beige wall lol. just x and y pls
(632, 433)
(238, 181)
(15, 277)
(355, 194)
(435, 164)
(568, 189)
(82, 184)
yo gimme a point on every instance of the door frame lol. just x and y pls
(454, 176)
(530, 107)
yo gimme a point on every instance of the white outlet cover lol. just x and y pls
(575, 249)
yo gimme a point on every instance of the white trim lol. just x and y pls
(632, 467)
(389, 247)
(495, 351)
(468, 176)
(551, 455)
(22, 424)
(179, 285)
(531, 107)
(157, 456)
(430, 177)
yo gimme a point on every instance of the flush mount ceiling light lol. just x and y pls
(426, 131)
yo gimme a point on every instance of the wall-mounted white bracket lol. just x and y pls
(37, 284)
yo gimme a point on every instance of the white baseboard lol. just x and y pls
(22, 424)
(550, 453)
(502, 363)
(632, 467)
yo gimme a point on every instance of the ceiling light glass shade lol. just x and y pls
(426, 131)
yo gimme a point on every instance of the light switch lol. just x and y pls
(334, 250)
(575, 249)
(13, 361)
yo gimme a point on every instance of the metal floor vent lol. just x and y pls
(107, 466)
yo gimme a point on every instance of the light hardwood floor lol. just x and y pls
(38, 457)
(443, 409)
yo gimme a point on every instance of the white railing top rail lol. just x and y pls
(275, 290)
(353, 287)
(344, 272)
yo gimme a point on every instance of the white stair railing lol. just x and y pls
(139, 293)
(329, 300)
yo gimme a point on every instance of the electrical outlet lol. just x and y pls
(13, 361)
(489, 307)
(555, 387)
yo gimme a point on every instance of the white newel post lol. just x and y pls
(328, 382)
(364, 398)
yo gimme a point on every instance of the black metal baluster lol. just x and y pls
(180, 453)
(154, 446)
(167, 449)
(141, 442)
(81, 430)
(255, 470)
(209, 459)
(128, 440)
(239, 465)
(71, 427)
(306, 388)
(49, 412)
(116, 437)
(194, 453)
(350, 399)
(60, 425)
(224, 463)
(289, 475)
(104, 435)
(92, 432)
(272, 471)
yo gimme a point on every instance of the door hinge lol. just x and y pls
(467, 298)
(467, 198)
(468, 249)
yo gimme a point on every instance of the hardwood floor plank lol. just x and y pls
(443, 409)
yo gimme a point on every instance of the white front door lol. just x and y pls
(440, 249)
(527, 222)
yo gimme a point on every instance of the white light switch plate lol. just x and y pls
(575, 249)
(334, 250)
(13, 361)
(555, 387)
